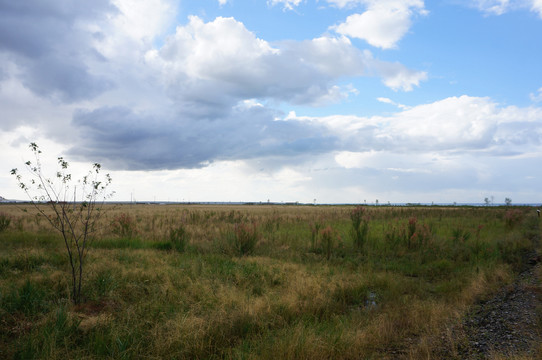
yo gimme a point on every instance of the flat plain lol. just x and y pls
(260, 281)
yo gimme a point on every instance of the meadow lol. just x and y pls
(257, 281)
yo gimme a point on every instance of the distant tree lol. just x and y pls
(75, 219)
(486, 201)
(508, 201)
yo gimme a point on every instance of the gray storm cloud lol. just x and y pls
(48, 44)
(137, 141)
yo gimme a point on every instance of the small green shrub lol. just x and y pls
(512, 247)
(423, 236)
(512, 218)
(162, 245)
(29, 299)
(5, 220)
(440, 268)
(412, 222)
(460, 235)
(328, 237)
(244, 238)
(233, 217)
(394, 235)
(416, 235)
(178, 238)
(120, 243)
(360, 227)
(530, 227)
(124, 226)
(24, 262)
(315, 229)
(352, 295)
(104, 282)
(272, 223)
(58, 330)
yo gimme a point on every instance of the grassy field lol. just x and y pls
(256, 282)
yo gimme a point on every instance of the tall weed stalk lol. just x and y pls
(360, 227)
(178, 238)
(244, 238)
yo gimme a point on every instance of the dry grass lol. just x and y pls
(287, 300)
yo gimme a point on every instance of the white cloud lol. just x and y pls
(441, 145)
(391, 102)
(536, 97)
(210, 80)
(386, 100)
(90, 83)
(383, 24)
(453, 125)
(396, 76)
(215, 49)
(345, 3)
(201, 58)
(15, 152)
(537, 7)
(144, 20)
(287, 4)
(130, 32)
(493, 7)
(350, 159)
(288, 176)
(500, 7)
(436, 176)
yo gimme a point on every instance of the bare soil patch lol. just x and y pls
(505, 326)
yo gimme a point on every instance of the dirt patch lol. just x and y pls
(92, 308)
(507, 324)
(94, 314)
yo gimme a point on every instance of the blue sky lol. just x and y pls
(286, 100)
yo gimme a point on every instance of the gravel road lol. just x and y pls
(507, 324)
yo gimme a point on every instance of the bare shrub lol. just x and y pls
(74, 218)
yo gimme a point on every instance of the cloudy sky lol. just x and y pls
(287, 100)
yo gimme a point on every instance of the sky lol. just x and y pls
(326, 101)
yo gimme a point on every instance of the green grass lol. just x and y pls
(290, 295)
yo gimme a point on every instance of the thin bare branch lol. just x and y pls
(75, 221)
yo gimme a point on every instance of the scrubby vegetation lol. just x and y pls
(297, 282)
